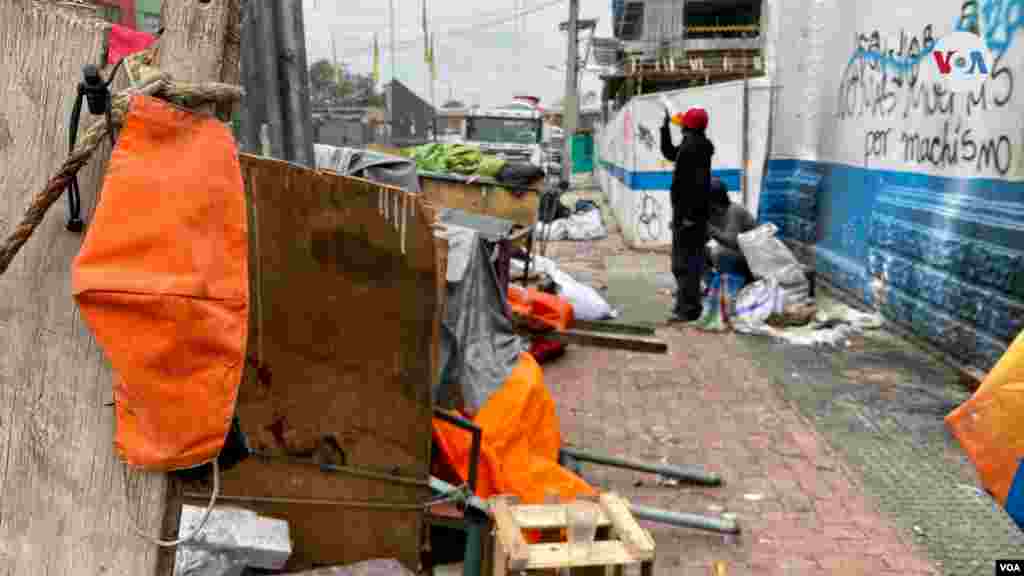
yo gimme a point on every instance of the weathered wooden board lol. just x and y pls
(483, 199)
(64, 508)
(345, 316)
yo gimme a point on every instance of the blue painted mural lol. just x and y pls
(930, 226)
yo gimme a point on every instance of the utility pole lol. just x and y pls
(570, 106)
(275, 75)
(389, 94)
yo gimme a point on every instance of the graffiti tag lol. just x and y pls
(648, 219)
(645, 136)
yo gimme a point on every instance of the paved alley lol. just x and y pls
(708, 404)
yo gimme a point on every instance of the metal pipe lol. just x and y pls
(442, 487)
(474, 451)
(689, 474)
(684, 520)
(476, 531)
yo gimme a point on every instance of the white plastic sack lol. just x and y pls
(755, 303)
(766, 255)
(538, 264)
(585, 225)
(793, 287)
(587, 304)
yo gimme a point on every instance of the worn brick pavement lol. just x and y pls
(705, 404)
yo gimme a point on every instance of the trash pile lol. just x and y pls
(780, 303)
(585, 223)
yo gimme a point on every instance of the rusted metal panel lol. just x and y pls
(483, 198)
(346, 318)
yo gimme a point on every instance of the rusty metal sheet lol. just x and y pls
(345, 320)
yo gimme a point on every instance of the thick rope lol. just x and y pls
(160, 85)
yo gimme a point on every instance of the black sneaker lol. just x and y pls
(679, 318)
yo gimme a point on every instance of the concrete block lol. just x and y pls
(233, 537)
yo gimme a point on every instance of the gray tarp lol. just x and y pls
(381, 168)
(479, 347)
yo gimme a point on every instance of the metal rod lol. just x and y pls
(689, 474)
(442, 487)
(474, 451)
(569, 105)
(684, 520)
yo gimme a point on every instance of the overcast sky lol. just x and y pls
(479, 66)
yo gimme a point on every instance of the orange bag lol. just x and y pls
(162, 280)
(988, 425)
(545, 311)
(521, 439)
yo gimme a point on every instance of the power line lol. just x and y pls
(467, 30)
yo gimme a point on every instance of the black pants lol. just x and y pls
(688, 263)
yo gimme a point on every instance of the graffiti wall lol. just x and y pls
(637, 177)
(910, 195)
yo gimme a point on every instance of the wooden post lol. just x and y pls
(65, 504)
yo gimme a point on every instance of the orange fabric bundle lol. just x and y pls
(545, 311)
(520, 444)
(989, 425)
(162, 280)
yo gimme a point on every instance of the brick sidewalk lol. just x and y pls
(705, 404)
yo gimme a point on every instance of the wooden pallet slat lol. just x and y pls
(514, 550)
(635, 538)
(602, 553)
(630, 544)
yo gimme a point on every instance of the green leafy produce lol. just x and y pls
(457, 159)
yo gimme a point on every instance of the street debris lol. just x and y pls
(585, 224)
(233, 539)
(376, 567)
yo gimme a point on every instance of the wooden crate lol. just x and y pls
(629, 543)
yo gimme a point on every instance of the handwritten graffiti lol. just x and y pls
(883, 84)
(645, 136)
(876, 143)
(958, 148)
(1001, 19)
(649, 219)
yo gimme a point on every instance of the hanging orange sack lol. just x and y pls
(162, 281)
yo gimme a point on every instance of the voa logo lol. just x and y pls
(962, 60)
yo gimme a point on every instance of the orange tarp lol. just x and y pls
(989, 426)
(545, 311)
(162, 280)
(521, 439)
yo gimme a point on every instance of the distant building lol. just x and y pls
(353, 127)
(674, 44)
(589, 117)
(451, 120)
(411, 118)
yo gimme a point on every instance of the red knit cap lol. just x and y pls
(695, 119)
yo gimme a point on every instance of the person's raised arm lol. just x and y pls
(668, 150)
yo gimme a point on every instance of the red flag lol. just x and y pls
(125, 42)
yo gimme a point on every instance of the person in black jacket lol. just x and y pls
(691, 207)
(728, 220)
